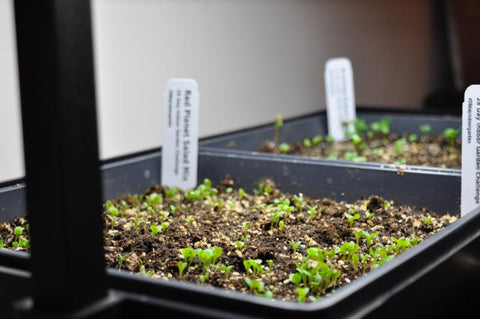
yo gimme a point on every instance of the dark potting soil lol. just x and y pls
(429, 150)
(271, 244)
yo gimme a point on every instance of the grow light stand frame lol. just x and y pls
(54, 41)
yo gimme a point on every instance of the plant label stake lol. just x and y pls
(180, 134)
(471, 150)
(340, 97)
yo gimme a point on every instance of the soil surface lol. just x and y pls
(428, 150)
(294, 247)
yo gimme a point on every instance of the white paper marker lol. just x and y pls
(180, 134)
(340, 97)
(471, 150)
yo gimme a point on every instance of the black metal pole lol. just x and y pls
(54, 39)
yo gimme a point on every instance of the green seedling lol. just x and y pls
(154, 199)
(451, 135)
(276, 136)
(275, 218)
(229, 190)
(332, 156)
(188, 255)
(399, 144)
(355, 261)
(190, 220)
(203, 278)
(281, 224)
(240, 244)
(262, 189)
(254, 266)
(353, 156)
(284, 147)
(208, 257)
(425, 129)
(181, 267)
(381, 127)
(241, 193)
(351, 218)
(307, 142)
(312, 210)
(142, 269)
(329, 139)
(302, 294)
(357, 142)
(245, 231)
(258, 288)
(19, 241)
(427, 220)
(316, 254)
(226, 269)
(2, 244)
(298, 201)
(173, 209)
(368, 214)
(270, 264)
(295, 245)
(412, 138)
(121, 260)
(360, 126)
(317, 139)
(358, 235)
(137, 223)
(170, 192)
(369, 237)
(111, 209)
(164, 215)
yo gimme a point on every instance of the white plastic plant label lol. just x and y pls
(340, 97)
(470, 196)
(180, 134)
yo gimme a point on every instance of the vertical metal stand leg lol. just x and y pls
(55, 56)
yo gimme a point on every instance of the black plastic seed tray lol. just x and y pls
(294, 130)
(437, 278)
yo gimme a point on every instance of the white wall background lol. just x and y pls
(252, 60)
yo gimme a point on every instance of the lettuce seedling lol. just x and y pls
(241, 193)
(154, 199)
(295, 245)
(275, 218)
(170, 192)
(229, 190)
(298, 201)
(121, 260)
(369, 237)
(317, 139)
(351, 218)
(245, 230)
(254, 266)
(203, 278)
(173, 209)
(262, 189)
(181, 267)
(412, 138)
(111, 209)
(425, 129)
(189, 255)
(240, 244)
(307, 143)
(399, 144)
(226, 269)
(312, 210)
(302, 294)
(451, 135)
(329, 139)
(368, 214)
(332, 156)
(208, 257)
(258, 288)
(284, 147)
